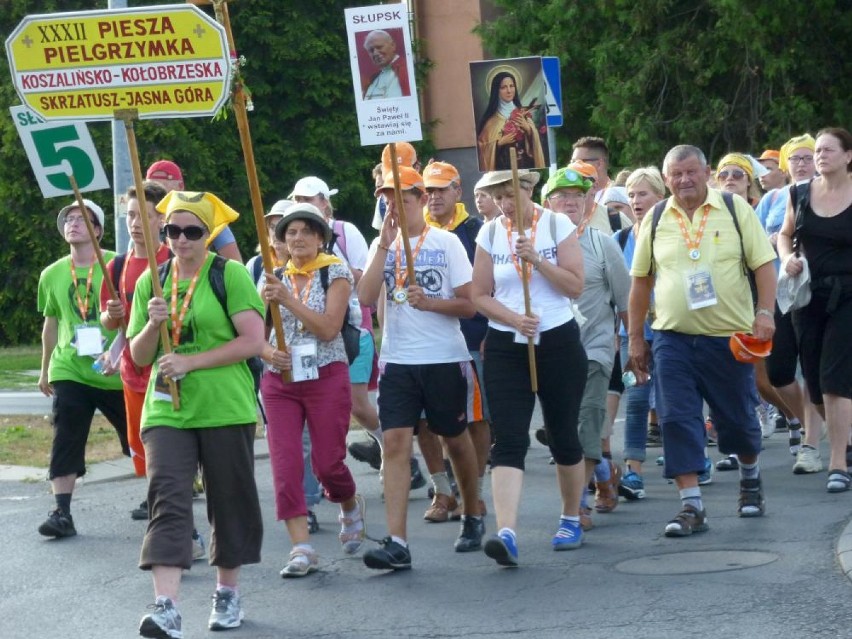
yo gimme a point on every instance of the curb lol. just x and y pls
(844, 550)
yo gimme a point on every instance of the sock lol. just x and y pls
(355, 517)
(602, 471)
(400, 541)
(692, 497)
(571, 519)
(794, 424)
(305, 546)
(224, 588)
(749, 471)
(63, 502)
(479, 483)
(441, 483)
(161, 599)
(507, 531)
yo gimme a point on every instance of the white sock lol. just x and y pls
(400, 541)
(441, 483)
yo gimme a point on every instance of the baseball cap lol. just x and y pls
(311, 186)
(405, 156)
(566, 178)
(585, 169)
(164, 170)
(94, 208)
(303, 211)
(408, 179)
(770, 154)
(279, 208)
(438, 175)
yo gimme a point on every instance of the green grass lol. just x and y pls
(16, 366)
(25, 441)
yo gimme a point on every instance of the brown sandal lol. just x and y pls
(689, 520)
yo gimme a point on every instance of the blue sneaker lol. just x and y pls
(706, 477)
(503, 548)
(569, 536)
(632, 486)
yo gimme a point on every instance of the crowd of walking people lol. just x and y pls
(720, 313)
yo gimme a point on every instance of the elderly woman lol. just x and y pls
(213, 314)
(548, 250)
(820, 222)
(644, 188)
(313, 293)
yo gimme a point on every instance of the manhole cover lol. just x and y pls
(688, 563)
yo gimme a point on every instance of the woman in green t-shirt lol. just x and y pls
(215, 423)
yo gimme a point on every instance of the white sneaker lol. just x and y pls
(767, 422)
(226, 612)
(163, 622)
(807, 461)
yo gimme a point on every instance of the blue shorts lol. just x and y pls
(361, 369)
(692, 369)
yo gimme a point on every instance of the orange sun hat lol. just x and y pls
(748, 349)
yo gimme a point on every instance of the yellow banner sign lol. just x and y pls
(168, 61)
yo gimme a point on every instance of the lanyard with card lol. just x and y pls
(304, 357)
(700, 291)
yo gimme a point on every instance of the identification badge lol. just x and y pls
(400, 295)
(88, 340)
(161, 389)
(304, 354)
(700, 292)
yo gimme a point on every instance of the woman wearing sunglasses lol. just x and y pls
(215, 423)
(313, 293)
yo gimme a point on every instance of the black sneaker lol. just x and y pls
(313, 524)
(470, 537)
(417, 478)
(58, 524)
(368, 452)
(781, 423)
(141, 513)
(391, 556)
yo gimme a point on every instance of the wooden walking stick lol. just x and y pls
(127, 116)
(519, 223)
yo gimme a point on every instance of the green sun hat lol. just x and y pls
(566, 178)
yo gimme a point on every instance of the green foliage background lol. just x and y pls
(724, 75)
(303, 124)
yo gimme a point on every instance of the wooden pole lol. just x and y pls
(519, 223)
(128, 115)
(96, 243)
(400, 215)
(239, 101)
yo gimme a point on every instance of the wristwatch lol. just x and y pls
(764, 311)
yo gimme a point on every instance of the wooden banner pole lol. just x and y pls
(400, 216)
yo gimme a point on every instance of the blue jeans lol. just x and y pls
(311, 485)
(636, 411)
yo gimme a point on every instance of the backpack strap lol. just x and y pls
(800, 197)
(729, 202)
(338, 237)
(656, 214)
(257, 269)
(492, 231)
(622, 237)
(324, 278)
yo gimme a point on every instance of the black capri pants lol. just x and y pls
(781, 362)
(561, 367)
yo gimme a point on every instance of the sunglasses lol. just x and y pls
(192, 233)
(737, 174)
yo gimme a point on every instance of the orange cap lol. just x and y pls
(770, 154)
(748, 349)
(438, 175)
(405, 156)
(585, 169)
(408, 179)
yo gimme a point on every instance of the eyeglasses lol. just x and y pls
(78, 219)
(800, 159)
(192, 233)
(737, 174)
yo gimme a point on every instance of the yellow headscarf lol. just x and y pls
(737, 159)
(323, 259)
(208, 208)
(794, 144)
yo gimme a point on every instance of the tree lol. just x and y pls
(721, 74)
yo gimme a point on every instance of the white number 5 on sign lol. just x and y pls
(57, 149)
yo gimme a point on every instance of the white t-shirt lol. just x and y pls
(550, 305)
(410, 336)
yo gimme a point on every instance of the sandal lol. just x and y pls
(751, 502)
(838, 481)
(352, 538)
(686, 522)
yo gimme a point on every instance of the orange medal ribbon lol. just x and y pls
(177, 320)
(302, 296)
(528, 266)
(399, 293)
(693, 245)
(82, 304)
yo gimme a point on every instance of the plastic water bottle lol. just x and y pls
(629, 379)
(98, 366)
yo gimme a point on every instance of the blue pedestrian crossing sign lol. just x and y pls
(550, 64)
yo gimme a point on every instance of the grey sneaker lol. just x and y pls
(163, 622)
(226, 612)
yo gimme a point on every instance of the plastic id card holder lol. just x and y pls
(161, 389)
(700, 292)
(304, 357)
(88, 340)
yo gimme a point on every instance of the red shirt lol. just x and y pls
(131, 375)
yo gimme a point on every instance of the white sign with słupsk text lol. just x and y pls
(383, 74)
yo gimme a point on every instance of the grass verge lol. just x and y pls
(17, 365)
(25, 441)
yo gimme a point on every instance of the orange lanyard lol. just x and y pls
(82, 304)
(177, 320)
(692, 245)
(515, 259)
(303, 296)
(398, 271)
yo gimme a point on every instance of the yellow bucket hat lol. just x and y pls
(791, 146)
(208, 208)
(737, 159)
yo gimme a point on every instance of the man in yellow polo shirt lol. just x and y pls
(694, 266)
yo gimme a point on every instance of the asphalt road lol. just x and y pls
(773, 577)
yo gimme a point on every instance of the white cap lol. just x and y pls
(94, 208)
(311, 186)
(280, 208)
